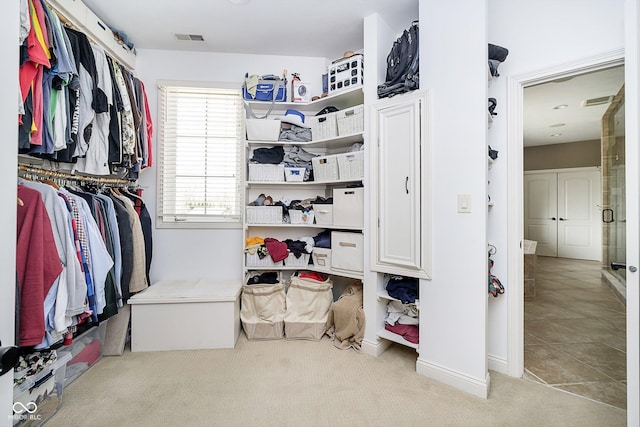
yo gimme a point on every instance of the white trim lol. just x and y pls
(580, 169)
(376, 348)
(498, 364)
(463, 382)
(515, 150)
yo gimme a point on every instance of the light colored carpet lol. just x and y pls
(304, 383)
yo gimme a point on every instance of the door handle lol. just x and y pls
(553, 218)
(563, 219)
(406, 185)
(618, 265)
(608, 218)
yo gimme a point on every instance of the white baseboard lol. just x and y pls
(455, 379)
(498, 364)
(374, 348)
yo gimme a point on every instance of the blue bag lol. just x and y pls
(269, 88)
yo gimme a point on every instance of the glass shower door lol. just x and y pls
(613, 189)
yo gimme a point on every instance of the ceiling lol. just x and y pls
(544, 124)
(327, 29)
(313, 28)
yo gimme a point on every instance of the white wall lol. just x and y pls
(453, 66)
(9, 23)
(206, 253)
(539, 35)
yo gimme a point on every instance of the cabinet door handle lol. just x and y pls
(562, 219)
(553, 218)
(406, 185)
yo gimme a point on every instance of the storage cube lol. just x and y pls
(294, 174)
(350, 120)
(323, 213)
(262, 129)
(266, 172)
(323, 127)
(321, 259)
(325, 168)
(348, 207)
(254, 260)
(292, 261)
(264, 215)
(38, 398)
(351, 165)
(347, 252)
(301, 217)
(186, 315)
(86, 350)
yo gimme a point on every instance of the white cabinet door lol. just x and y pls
(398, 170)
(540, 211)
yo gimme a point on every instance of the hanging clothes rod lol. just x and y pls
(73, 177)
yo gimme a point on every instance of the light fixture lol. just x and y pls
(560, 107)
(238, 1)
(555, 135)
(557, 125)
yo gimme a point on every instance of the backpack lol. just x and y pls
(402, 64)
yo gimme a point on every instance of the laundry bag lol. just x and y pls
(308, 305)
(346, 322)
(262, 309)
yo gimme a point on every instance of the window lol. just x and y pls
(200, 135)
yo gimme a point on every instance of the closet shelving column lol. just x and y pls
(294, 190)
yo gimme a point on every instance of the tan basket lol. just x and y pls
(308, 305)
(262, 310)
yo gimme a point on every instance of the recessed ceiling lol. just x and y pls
(324, 28)
(569, 109)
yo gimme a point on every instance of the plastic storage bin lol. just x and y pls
(323, 127)
(294, 174)
(346, 73)
(262, 129)
(86, 350)
(347, 251)
(321, 259)
(253, 260)
(266, 172)
(323, 213)
(325, 168)
(351, 165)
(350, 120)
(348, 207)
(38, 398)
(301, 217)
(264, 215)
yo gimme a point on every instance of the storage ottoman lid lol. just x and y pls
(179, 291)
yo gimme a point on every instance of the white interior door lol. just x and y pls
(579, 215)
(540, 211)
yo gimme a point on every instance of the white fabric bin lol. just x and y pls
(308, 304)
(262, 310)
(262, 129)
(348, 207)
(323, 213)
(347, 252)
(321, 259)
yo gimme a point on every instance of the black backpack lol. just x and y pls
(402, 64)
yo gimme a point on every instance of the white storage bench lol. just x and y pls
(186, 315)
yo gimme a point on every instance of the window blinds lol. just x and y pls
(200, 154)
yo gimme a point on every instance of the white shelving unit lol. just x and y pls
(292, 190)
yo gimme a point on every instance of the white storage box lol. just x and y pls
(186, 315)
(346, 73)
(262, 129)
(301, 217)
(351, 165)
(292, 261)
(323, 127)
(38, 398)
(323, 213)
(294, 174)
(321, 259)
(350, 120)
(348, 207)
(347, 252)
(266, 172)
(264, 215)
(253, 260)
(325, 168)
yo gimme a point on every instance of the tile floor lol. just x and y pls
(575, 331)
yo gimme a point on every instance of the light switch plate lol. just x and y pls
(464, 203)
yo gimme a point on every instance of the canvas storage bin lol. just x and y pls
(351, 165)
(323, 213)
(262, 129)
(347, 251)
(266, 172)
(308, 305)
(325, 168)
(262, 310)
(350, 120)
(321, 259)
(348, 207)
